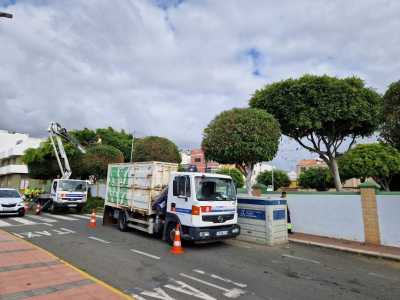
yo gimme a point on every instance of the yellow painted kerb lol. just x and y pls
(83, 273)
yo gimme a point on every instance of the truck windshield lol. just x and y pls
(214, 189)
(72, 186)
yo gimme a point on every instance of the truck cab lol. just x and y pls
(204, 205)
(68, 193)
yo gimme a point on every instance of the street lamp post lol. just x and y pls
(5, 15)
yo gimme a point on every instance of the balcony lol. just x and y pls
(13, 169)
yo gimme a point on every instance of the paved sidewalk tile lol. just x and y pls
(345, 245)
(28, 272)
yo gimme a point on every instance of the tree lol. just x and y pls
(281, 179)
(244, 137)
(379, 161)
(316, 178)
(322, 113)
(98, 157)
(391, 110)
(118, 139)
(236, 175)
(155, 148)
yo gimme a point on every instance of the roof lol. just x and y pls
(310, 162)
(15, 144)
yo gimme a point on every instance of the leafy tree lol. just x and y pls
(244, 137)
(281, 179)
(379, 161)
(96, 160)
(118, 139)
(236, 175)
(322, 112)
(316, 178)
(155, 148)
(391, 109)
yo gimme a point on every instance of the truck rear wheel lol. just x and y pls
(122, 223)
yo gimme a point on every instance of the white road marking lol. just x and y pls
(233, 293)
(184, 288)
(81, 217)
(4, 224)
(97, 216)
(301, 258)
(145, 254)
(99, 240)
(241, 285)
(23, 221)
(62, 217)
(48, 220)
(158, 293)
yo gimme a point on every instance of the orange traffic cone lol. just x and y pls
(38, 209)
(177, 247)
(92, 221)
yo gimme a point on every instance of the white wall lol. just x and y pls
(327, 214)
(389, 218)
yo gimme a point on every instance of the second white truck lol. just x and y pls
(154, 197)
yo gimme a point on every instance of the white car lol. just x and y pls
(11, 202)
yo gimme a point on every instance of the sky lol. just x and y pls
(168, 67)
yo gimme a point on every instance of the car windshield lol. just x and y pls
(72, 186)
(9, 194)
(214, 189)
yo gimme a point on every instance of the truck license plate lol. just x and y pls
(72, 205)
(219, 233)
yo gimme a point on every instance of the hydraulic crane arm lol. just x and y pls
(57, 133)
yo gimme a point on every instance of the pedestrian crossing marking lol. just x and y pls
(43, 219)
(4, 224)
(81, 217)
(23, 221)
(61, 217)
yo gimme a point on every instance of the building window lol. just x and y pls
(197, 159)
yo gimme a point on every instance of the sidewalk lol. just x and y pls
(28, 272)
(344, 245)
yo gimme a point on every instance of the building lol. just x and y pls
(13, 172)
(305, 164)
(259, 168)
(197, 158)
(185, 158)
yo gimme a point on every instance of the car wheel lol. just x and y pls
(21, 212)
(122, 223)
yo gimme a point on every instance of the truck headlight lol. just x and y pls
(204, 234)
(235, 230)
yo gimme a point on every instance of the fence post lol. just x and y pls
(369, 210)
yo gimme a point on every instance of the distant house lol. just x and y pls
(13, 172)
(185, 158)
(197, 158)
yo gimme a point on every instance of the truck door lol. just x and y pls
(53, 192)
(181, 201)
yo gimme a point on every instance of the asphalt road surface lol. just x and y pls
(142, 266)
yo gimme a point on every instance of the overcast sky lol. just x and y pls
(168, 67)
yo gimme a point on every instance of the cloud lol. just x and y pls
(168, 67)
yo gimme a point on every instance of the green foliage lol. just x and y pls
(155, 148)
(236, 175)
(241, 135)
(96, 160)
(391, 108)
(281, 179)
(379, 161)
(93, 203)
(42, 163)
(320, 112)
(316, 178)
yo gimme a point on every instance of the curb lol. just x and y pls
(347, 249)
(83, 273)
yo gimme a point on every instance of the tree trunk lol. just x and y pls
(249, 173)
(333, 166)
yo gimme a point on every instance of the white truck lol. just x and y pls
(64, 192)
(153, 197)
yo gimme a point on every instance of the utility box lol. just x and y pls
(262, 220)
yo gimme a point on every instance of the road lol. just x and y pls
(141, 265)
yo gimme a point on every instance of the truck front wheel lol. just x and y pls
(122, 223)
(170, 236)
